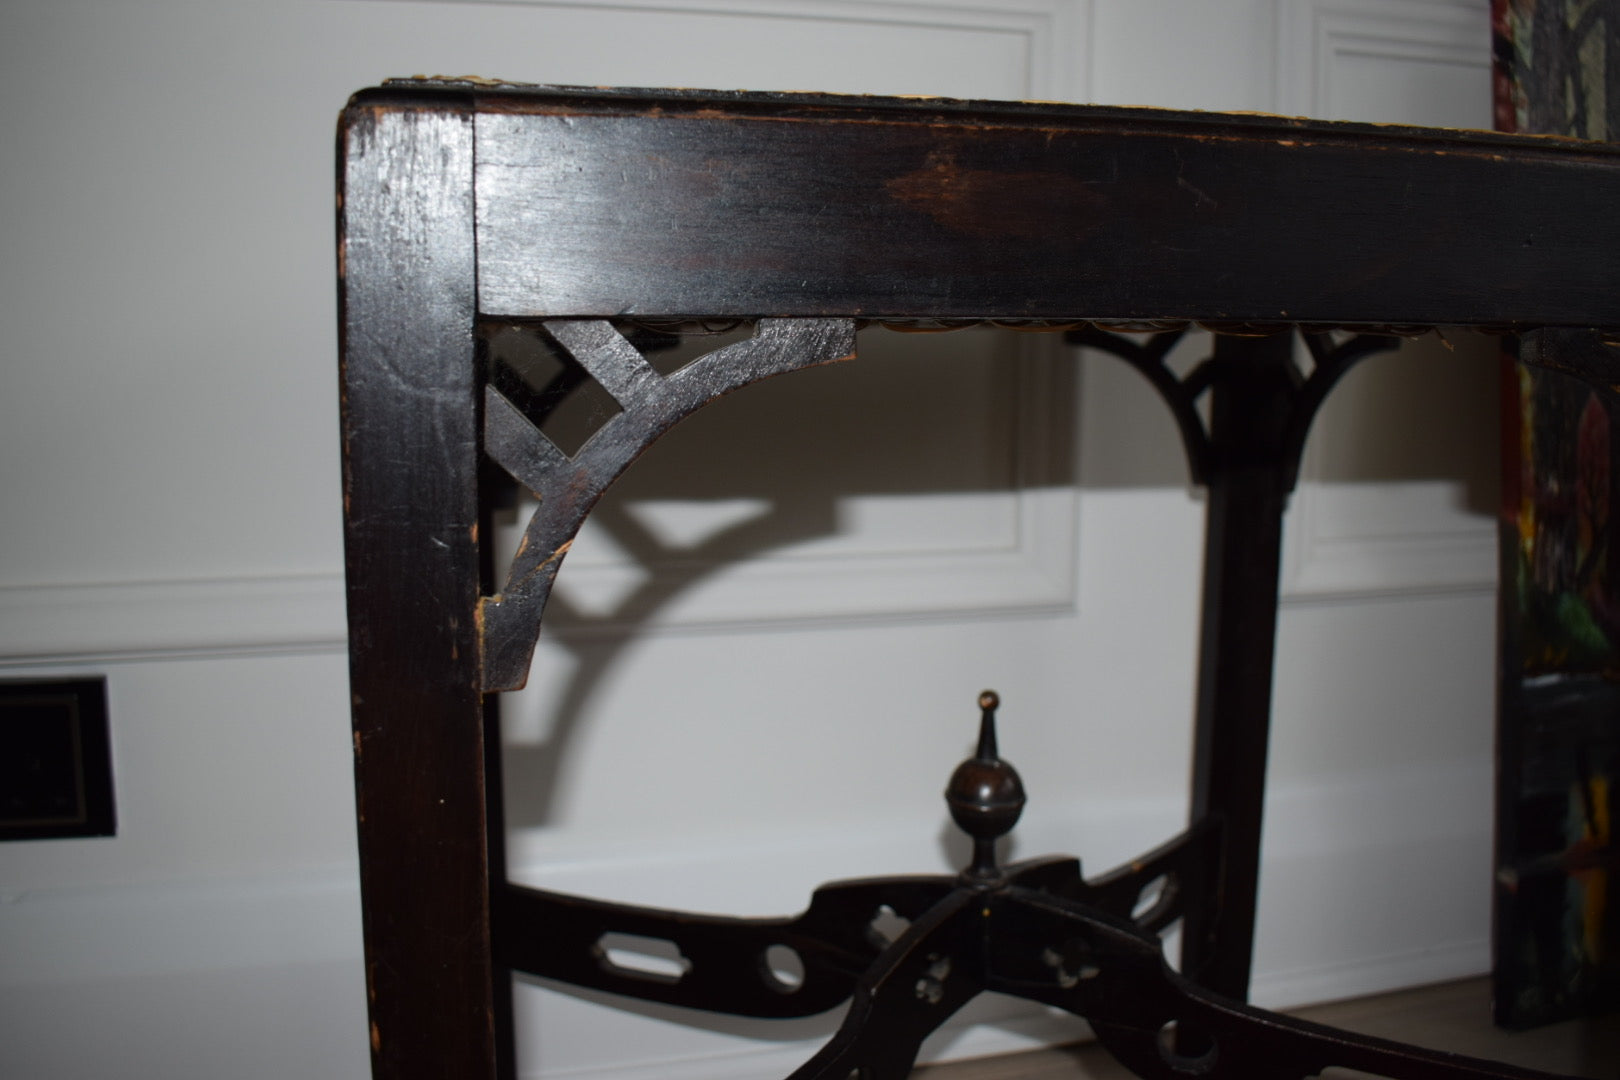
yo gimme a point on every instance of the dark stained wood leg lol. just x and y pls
(411, 457)
(1248, 484)
(506, 1065)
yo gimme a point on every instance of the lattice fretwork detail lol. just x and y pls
(567, 487)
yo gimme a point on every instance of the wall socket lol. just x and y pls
(55, 760)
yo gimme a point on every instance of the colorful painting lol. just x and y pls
(1558, 896)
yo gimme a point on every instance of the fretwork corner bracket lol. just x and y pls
(567, 487)
(1256, 366)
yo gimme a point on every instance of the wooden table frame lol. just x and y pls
(591, 213)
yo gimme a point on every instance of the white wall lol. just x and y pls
(168, 461)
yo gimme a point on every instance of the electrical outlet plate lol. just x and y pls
(55, 760)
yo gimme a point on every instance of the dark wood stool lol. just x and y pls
(601, 217)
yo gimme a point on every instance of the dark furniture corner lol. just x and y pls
(592, 217)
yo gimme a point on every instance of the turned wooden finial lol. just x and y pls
(985, 795)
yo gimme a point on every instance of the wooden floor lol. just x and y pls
(1450, 1016)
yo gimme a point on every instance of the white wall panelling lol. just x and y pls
(1420, 62)
(1390, 61)
(1369, 539)
(1398, 489)
(1046, 32)
(229, 616)
(169, 464)
(932, 476)
(1175, 53)
(188, 432)
(218, 932)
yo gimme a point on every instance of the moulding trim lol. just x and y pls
(1056, 30)
(247, 615)
(1309, 35)
(214, 617)
(1384, 539)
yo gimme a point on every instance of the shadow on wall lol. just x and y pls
(924, 435)
(925, 439)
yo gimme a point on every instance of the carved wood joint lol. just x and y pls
(568, 485)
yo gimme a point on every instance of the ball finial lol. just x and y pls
(985, 795)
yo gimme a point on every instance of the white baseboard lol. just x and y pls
(1377, 974)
